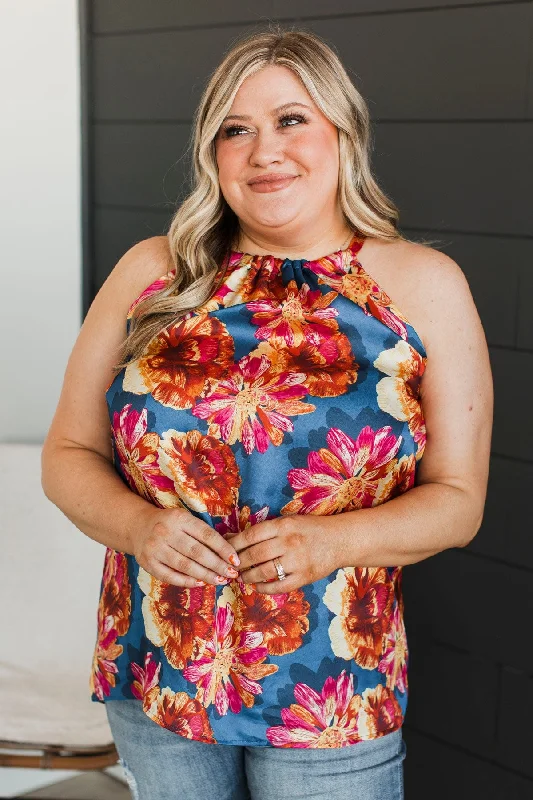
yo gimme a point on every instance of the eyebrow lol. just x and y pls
(275, 111)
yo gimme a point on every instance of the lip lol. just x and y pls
(271, 177)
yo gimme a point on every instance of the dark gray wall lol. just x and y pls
(450, 91)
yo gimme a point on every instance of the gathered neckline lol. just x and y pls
(336, 258)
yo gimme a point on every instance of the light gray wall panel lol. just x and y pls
(471, 176)
(402, 63)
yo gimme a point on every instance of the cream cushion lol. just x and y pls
(49, 584)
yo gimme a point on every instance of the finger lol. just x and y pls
(211, 539)
(178, 561)
(167, 575)
(261, 573)
(189, 550)
(254, 534)
(259, 553)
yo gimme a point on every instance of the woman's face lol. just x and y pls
(296, 141)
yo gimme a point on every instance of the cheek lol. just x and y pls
(317, 153)
(230, 167)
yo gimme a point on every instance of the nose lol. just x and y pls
(266, 149)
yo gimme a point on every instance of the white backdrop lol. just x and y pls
(40, 225)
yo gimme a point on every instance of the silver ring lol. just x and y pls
(279, 569)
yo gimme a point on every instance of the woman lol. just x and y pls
(302, 406)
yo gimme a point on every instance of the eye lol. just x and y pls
(228, 131)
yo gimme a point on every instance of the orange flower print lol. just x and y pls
(393, 662)
(359, 287)
(327, 362)
(239, 519)
(180, 361)
(281, 618)
(176, 618)
(361, 599)
(138, 457)
(328, 719)
(203, 469)
(179, 713)
(251, 278)
(175, 711)
(346, 476)
(230, 666)
(399, 393)
(104, 668)
(300, 314)
(145, 687)
(116, 590)
(253, 404)
(380, 712)
(399, 480)
(113, 620)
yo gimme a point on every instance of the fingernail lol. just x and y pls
(234, 559)
(232, 572)
(220, 579)
(198, 582)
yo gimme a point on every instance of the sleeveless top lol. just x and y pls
(294, 389)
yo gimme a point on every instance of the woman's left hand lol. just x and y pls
(305, 545)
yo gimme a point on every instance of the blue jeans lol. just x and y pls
(162, 765)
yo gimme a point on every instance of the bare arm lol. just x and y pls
(445, 508)
(78, 474)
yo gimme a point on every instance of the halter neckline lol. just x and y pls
(337, 257)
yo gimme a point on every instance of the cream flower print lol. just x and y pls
(399, 393)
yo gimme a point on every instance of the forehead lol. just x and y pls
(268, 89)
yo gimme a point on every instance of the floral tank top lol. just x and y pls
(294, 389)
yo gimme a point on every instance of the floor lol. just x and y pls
(90, 786)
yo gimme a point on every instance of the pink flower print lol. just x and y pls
(394, 660)
(138, 455)
(253, 404)
(294, 318)
(106, 652)
(328, 719)
(230, 666)
(346, 476)
(145, 687)
(239, 519)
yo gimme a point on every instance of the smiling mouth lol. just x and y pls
(271, 179)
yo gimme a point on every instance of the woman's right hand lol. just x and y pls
(178, 548)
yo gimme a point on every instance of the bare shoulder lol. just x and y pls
(428, 286)
(141, 265)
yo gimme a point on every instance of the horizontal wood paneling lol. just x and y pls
(459, 691)
(400, 62)
(513, 381)
(465, 177)
(516, 713)
(439, 771)
(494, 267)
(132, 15)
(116, 230)
(140, 165)
(508, 508)
(471, 603)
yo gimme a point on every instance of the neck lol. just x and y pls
(308, 248)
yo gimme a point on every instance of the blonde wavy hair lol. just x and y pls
(204, 227)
